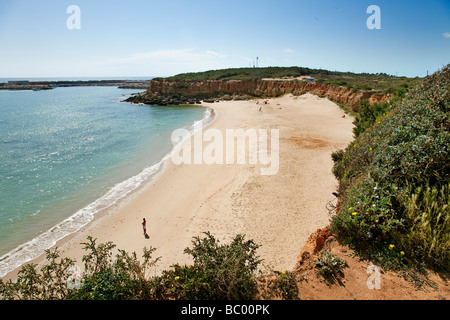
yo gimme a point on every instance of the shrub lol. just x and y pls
(49, 283)
(281, 285)
(330, 267)
(278, 285)
(224, 272)
(108, 279)
(395, 178)
(368, 217)
(182, 283)
(367, 115)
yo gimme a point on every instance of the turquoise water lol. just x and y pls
(67, 153)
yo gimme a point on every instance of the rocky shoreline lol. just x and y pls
(162, 100)
(48, 85)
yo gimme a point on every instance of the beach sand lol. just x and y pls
(278, 212)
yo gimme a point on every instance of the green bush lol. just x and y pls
(49, 283)
(367, 115)
(393, 173)
(108, 279)
(330, 267)
(224, 272)
(282, 285)
(371, 217)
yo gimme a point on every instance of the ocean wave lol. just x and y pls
(37, 246)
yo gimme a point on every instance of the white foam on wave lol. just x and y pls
(37, 246)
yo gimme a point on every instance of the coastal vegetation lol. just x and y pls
(356, 81)
(330, 266)
(394, 180)
(219, 272)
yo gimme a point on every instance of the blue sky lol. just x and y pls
(161, 38)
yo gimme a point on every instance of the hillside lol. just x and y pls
(357, 81)
(395, 180)
(345, 88)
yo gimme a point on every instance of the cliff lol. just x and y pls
(163, 91)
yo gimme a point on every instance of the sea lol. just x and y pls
(68, 153)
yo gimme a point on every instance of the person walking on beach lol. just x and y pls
(144, 227)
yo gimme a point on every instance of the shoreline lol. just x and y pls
(93, 211)
(183, 201)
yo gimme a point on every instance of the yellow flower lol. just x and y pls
(176, 278)
(370, 148)
(391, 246)
(402, 253)
(283, 272)
(350, 208)
(354, 213)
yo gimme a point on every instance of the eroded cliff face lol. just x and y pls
(166, 92)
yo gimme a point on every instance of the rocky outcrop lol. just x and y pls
(314, 244)
(163, 91)
(156, 99)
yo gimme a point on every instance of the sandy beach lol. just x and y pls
(278, 211)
